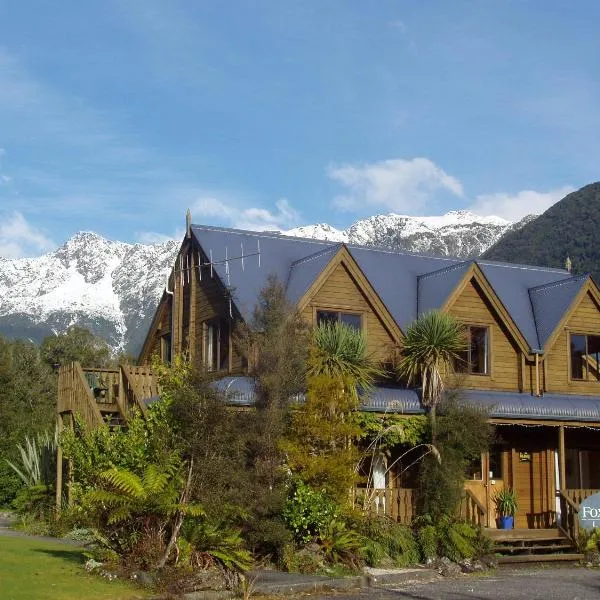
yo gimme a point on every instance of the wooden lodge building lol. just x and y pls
(533, 360)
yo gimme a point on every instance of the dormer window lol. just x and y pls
(475, 359)
(585, 357)
(354, 320)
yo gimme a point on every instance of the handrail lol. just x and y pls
(473, 510)
(479, 505)
(568, 500)
(569, 520)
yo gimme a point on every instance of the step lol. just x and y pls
(546, 549)
(539, 558)
(107, 407)
(517, 535)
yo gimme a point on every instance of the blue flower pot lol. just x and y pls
(506, 522)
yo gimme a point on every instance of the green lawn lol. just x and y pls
(39, 570)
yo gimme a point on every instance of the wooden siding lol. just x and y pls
(471, 307)
(162, 326)
(194, 301)
(341, 292)
(584, 319)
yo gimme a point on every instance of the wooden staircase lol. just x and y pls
(104, 395)
(533, 545)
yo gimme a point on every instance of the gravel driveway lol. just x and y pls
(545, 583)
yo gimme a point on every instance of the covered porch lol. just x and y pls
(547, 449)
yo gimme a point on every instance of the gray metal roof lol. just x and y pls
(303, 272)
(511, 283)
(433, 289)
(500, 405)
(407, 283)
(551, 301)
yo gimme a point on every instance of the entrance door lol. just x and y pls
(534, 483)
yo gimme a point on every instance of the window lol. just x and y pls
(475, 359)
(585, 357)
(332, 316)
(165, 348)
(216, 345)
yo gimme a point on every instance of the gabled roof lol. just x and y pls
(394, 275)
(551, 301)
(512, 283)
(246, 278)
(434, 289)
(408, 284)
(305, 271)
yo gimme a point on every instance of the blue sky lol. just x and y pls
(116, 116)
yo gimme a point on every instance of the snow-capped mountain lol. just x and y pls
(457, 233)
(110, 287)
(113, 287)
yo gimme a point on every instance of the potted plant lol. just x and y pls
(506, 506)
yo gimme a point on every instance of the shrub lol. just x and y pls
(448, 537)
(387, 539)
(463, 434)
(341, 545)
(307, 512)
(36, 501)
(214, 542)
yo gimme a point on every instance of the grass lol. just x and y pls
(38, 570)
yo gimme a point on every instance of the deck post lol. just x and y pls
(562, 485)
(59, 471)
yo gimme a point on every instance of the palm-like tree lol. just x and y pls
(432, 343)
(340, 352)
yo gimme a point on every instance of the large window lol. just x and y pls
(216, 345)
(333, 316)
(475, 359)
(585, 357)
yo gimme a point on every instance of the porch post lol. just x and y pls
(561, 458)
(486, 479)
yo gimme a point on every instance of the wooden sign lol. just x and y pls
(524, 456)
(589, 512)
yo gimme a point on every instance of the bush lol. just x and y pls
(387, 539)
(36, 501)
(206, 543)
(307, 512)
(463, 433)
(449, 538)
(342, 546)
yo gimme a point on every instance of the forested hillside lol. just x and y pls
(569, 228)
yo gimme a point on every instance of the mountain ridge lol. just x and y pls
(113, 287)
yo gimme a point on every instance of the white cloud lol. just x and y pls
(399, 185)
(257, 219)
(18, 238)
(515, 206)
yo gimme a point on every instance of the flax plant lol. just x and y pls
(340, 352)
(432, 343)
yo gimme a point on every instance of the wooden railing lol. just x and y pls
(396, 503)
(88, 392)
(472, 510)
(76, 396)
(570, 500)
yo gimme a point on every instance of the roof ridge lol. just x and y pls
(317, 254)
(330, 243)
(560, 282)
(499, 263)
(272, 234)
(447, 269)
